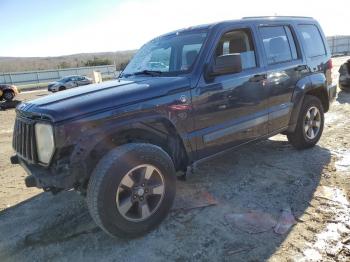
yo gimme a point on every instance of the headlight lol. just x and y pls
(44, 142)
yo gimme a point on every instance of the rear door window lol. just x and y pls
(278, 43)
(313, 42)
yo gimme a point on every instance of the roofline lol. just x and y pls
(276, 16)
(210, 25)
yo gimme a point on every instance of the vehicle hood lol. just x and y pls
(53, 83)
(87, 100)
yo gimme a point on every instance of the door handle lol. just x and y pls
(258, 78)
(301, 68)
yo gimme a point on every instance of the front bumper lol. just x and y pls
(42, 177)
(52, 89)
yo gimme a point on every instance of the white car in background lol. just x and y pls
(69, 82)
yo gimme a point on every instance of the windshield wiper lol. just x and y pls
(145, 72)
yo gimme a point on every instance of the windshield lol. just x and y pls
(167, 55)
(64, 80)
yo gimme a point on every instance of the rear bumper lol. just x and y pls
(332, 92)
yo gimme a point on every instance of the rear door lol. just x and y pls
(81, 80)
(231, 109)
(285, 66)
(315, 49)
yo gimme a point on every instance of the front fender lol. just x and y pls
(155, 124)
(79, 138)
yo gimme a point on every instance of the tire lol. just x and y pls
(109, 189)
(8, 95)
(61, 88)
(303, 137)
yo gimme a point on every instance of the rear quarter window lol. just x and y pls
(312, 40)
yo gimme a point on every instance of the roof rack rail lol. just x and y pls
(282, 16)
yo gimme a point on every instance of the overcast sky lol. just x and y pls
(52, 28)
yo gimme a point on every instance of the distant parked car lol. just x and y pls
(344, 77)
(8, 92)
(69, 82)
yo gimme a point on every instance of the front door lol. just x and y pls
(231, 109)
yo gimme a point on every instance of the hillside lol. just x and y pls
(18, 64)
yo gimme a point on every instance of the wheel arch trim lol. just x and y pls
(114, 134)
(314, 84)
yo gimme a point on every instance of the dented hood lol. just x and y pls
(86, 100)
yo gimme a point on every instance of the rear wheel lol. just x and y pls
(310, 124)
(131, 189)
(8, 95)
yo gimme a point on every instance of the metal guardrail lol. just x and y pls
(339, 45)
(44, 76)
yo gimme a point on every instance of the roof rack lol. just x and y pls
(278, 16)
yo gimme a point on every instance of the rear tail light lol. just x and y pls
(329, 73)
(330, 64)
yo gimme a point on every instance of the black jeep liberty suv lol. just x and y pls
(184, 96)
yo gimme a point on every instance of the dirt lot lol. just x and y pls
(258, 183)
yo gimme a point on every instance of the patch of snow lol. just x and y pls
(329, 240)
(344, 163)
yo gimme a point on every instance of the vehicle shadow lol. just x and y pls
(343, 97)
(267, 176)
(42, 94)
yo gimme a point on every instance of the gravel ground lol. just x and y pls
(262, 178)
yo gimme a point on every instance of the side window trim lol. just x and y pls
(294, 31)
(291, 39)
(252, 39)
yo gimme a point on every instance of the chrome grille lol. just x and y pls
(24, 139)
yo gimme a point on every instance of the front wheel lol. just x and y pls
(131, 189)
(9, 95)
(310, 124)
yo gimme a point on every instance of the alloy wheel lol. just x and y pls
(312, 123)
(140, 193)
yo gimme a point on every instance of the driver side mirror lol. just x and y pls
(225, 64)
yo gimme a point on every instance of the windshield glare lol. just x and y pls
(64, 80)
(174, 53)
